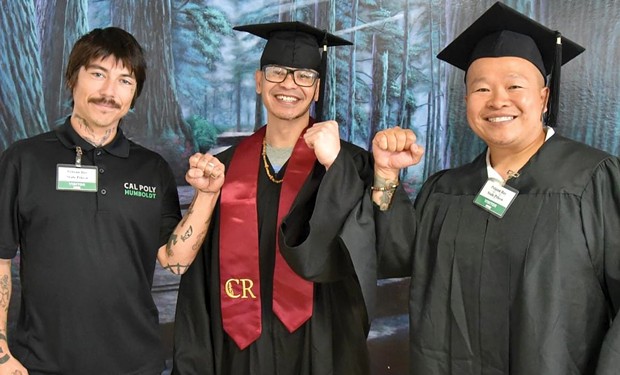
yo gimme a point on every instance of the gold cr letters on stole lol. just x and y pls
(246, 288)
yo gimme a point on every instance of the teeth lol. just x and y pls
(500, 119)
(286, 98)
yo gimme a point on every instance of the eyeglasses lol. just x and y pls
(301, 77)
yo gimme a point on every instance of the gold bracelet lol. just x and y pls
(390, 187)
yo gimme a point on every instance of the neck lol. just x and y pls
(97, 136)
(507, 161)
(285, 133)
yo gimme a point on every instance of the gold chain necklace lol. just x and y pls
(264, 153)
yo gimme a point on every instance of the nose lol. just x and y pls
(107, 87)
(499, 98)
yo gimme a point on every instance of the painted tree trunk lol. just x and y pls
(22, 110)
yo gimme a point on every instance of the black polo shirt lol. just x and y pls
(87, 259)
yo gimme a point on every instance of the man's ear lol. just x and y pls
(317, 90)
(544, 96)
(258, 77)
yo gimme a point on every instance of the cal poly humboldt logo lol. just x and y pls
(141, 191)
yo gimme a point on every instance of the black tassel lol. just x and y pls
(554, 84)
(318, 109)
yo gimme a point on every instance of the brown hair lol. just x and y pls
(102, 43)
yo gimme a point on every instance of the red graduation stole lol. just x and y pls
(239, 269)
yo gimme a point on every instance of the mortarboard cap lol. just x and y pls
(502, 31)
(295, 45)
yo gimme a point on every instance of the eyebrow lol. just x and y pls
(97, 66)
(513, 75)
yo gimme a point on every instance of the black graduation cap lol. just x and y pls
(296, 45)
(502, 31)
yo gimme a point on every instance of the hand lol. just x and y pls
(324, 139)
(205, 173)
(394, 149)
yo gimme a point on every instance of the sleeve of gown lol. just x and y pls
(396, 230)
(601, 221)
(395, 235)
(193, 351)
(311, 235)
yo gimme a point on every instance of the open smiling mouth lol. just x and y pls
(287, 99)
(500, 119)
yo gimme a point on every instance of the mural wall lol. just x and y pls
(199, 93)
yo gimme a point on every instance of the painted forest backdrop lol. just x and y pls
(199, 84)
(200, 93)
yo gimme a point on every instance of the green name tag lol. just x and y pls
(72, 178)
(495, 197)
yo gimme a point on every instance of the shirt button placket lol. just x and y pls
(98, 160)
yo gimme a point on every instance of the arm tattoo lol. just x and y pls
(190, 211)
(5, 292)
(385, 199)
(187, 234)
(4, 357)
(199, 240)
(386, 196)
(177, 269)
(172, 241)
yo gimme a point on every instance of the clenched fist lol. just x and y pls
(324, 139)
(205, 173)
(394, 149)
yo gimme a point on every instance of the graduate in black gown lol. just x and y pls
(256, 302)
(516, 255)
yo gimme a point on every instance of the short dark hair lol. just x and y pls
(102, 43)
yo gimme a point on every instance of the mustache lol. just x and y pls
(105, 101)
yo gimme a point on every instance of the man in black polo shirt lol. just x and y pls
(90, 212)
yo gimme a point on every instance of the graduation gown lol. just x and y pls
(333, 340)
(534, 292)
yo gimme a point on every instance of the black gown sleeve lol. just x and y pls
(311, 234)
(396, 230)
(601, 221)
(326, 237)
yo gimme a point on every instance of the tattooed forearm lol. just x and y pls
(384, 190)
(190, 211)
(4, 357)
(187, 234)
(172, 241)
(199, 240)
(385, 199)
(5, 292)
(177, 269)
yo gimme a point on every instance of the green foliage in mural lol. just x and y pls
(204, 132)
(198, 35)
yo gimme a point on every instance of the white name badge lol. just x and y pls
(72, 178)
(495, 197)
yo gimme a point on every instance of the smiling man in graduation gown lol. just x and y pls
(516, 255)
(252, 302)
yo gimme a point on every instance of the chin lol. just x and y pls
(289, 116)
